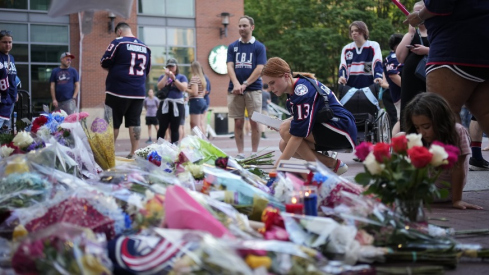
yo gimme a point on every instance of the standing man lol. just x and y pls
(65, 85)
(245, 61)
(128, 61)
(8, 75)
(361, 60)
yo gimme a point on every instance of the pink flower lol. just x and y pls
(76, 117)
(453, 153)
(420, 156)
(362, 150)
(400, 144)
(382, 152)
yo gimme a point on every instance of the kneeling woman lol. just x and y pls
(307, 132)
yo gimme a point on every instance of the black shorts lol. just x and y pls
(329, 140)
(127, 108)
(151, 120)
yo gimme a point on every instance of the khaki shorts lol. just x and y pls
(237, 103)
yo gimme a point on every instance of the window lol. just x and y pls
(180, 8)
(42, 5)
(165, 43)
(36, 49)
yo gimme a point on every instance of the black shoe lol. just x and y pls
(478, 164)
(263, 135)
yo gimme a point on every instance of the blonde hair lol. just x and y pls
(277, 67)
(197, 70)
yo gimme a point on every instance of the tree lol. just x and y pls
(309, 34)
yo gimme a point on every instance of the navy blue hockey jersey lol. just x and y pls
(128, 60)
(304, 104)
(361, 66)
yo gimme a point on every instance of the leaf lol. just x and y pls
(362, 178)
(443, 193)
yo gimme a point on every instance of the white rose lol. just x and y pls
(22, 139)
(5, 151)
(372, 165)
(439, 155)
(414, 140)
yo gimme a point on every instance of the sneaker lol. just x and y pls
(340, 168)
(149, 141)
(240, 156)
(478, 164)
(263, 135)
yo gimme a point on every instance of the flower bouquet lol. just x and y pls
(61, 249)
(100, 134)
(406, 177)
(21, 143)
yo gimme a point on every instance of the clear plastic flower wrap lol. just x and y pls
(62, 249)
(100, 135)
(198, 150)
(84, 207)
(169, 251)
(56, 156)
(244, 191)
(81, 151)
(163, 154)
(19, 190)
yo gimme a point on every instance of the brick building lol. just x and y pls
(185, 29)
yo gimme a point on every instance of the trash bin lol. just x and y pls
(221, 123)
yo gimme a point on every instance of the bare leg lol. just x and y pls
(135, 135)
(477, 104)
(455, 89)
(156, 128)
(475, 131)
(194, 121)
(116, 134)
(255, 136)
(238, 134)
(181, 131)
(306, 149)
(396, 129)
(149, 132)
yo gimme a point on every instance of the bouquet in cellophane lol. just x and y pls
(100, 133)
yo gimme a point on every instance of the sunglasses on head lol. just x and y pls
(4, 32)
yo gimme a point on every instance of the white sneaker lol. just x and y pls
(240, 156)
(340, 168)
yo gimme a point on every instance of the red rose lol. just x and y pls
(382, 152)
(399, 144)
(420, 156)
(362, 150)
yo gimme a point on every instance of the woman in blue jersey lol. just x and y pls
(308, 130)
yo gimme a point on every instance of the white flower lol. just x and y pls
(372, 165)
(5, 151)
(414, 140)
(22, 139)
(439, 155)
(196, 170)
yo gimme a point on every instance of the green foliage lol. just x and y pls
(309, 34)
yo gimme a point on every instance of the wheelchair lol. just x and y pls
(373, 124)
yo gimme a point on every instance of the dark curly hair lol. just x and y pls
(436, 108)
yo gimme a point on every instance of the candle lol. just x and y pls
(310, 203)
(294, 206)
(310, 200)
(401, 7)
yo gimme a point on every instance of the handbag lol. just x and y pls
(163, 93)
(420, 71)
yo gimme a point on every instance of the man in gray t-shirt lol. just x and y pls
(151, 104)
